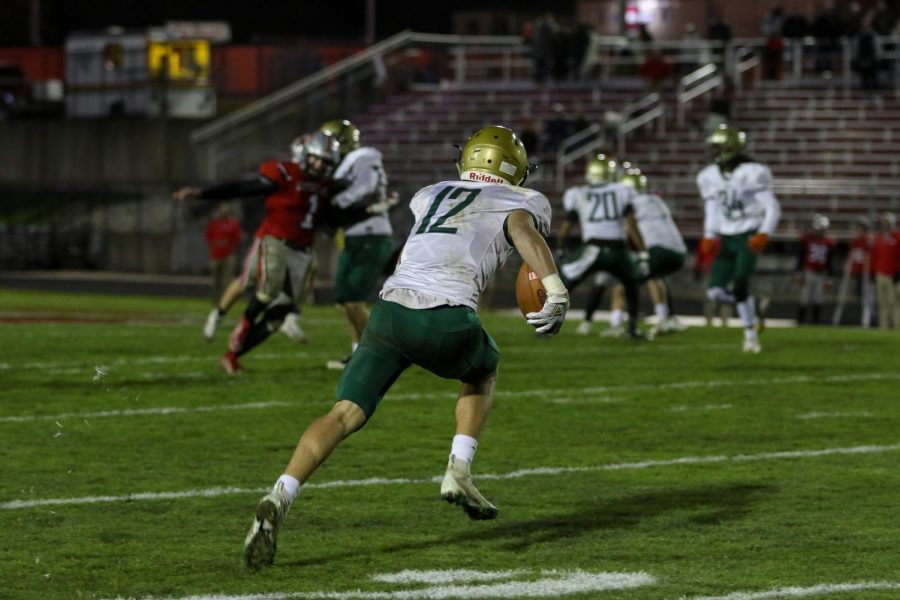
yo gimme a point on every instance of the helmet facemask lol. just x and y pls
(319, 155)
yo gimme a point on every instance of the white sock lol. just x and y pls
(464, 447)
(662, 312)
(291, 485)
(747, 312)
(617, 317)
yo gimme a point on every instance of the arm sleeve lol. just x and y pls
(239, 189)
(365, 184)
(710, 219)
(773, 211)
(710, 210)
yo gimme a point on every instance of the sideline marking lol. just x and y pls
(686, 408)
(137, 412)
(555, 396)
(804, 592)
(646, 464)
(552, 584)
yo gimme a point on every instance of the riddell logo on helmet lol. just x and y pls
(484, 177)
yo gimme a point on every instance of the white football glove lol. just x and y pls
(384, 205)
(550, 318)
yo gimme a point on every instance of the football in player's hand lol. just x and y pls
(530, 292)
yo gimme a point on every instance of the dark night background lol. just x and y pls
(344, 19)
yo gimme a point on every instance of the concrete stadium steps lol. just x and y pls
(815, 140)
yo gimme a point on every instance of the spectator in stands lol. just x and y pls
(851, 20)
(795, 26)
(884, 265)
(223, 235)
(815, 269)
(774, 52)
(560, 52)
(719, 32)
(579, 41)
(542, 46)
(656, 70)
(826, 28)
(691, 55)
(883, 19)
(867, 58)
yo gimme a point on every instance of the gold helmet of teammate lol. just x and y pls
(601, 169)
(726, 143)
(345, 132)
(494, 154)
(633, 178)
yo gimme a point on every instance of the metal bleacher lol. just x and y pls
(832, 148)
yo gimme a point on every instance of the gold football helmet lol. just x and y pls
(633, 178)
(726, 143)
(345, 132)
(491, 153)
(601, 169)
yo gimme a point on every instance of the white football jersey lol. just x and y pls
(599, 209)
(739, 201)
(656, 225)
(459, 241)
(363, 169)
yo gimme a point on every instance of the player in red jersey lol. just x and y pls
(815, 270)
(859, 267)
(223, 235)
(885, 259)
(277, 266)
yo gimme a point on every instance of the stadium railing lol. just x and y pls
(405, 61)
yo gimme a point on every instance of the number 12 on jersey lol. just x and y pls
(449, 193)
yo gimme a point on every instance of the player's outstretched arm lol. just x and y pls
(534, 251)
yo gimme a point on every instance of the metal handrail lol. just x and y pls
(658, 112)
(574, 141)
(339, 68)
(703, 80)
(745, 64)
(634, 115)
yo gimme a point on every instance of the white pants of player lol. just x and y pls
(813, 290)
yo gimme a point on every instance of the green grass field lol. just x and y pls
(682, 468)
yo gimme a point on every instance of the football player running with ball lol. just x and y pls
(742, 211)
(464, 231)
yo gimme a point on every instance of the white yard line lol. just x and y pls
(552, 584)
(705, 407)
(804, 592)
(835, 415)
(143, 412)
(589, 395)
(148, 360)
(377, 481)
